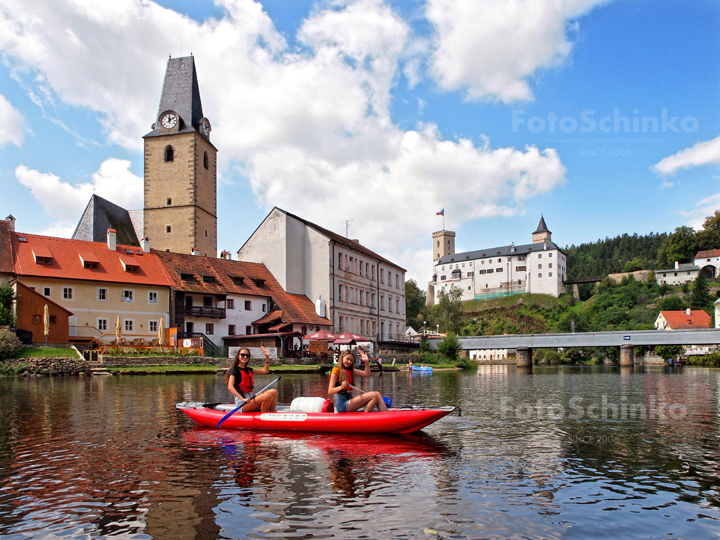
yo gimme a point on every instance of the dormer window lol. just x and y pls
(258, 281)
(237, 280)
(209, 279)
(187, 277)
(42, 255)
(130, 265)
(169, 154)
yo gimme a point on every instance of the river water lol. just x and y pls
(561, 452)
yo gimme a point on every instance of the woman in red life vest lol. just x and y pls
(240, 383)
(344, 374)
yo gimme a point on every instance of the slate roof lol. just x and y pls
(101, 215)
(222, 276)
(541, 226)
(6, 257)
(338, 239)
(680, 320)
(685, 267)
(181, 94)
(502, 251)
(67, 262)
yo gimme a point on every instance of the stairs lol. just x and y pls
(96, 371)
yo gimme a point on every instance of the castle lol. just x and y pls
(538, 267)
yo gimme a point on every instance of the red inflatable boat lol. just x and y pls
(285, 419)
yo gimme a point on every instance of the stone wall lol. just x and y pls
(126, 361)
(52, 366)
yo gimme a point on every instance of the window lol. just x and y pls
(339, 261)
(372, 304)
(397, 304)
(248, 329)
(127, 296)
(209, 329)
(152, 297)
(520, 268)
(102, 295)
(362, 326)
(382, 302)
(549, 265)
(490, 271)
(482, 271)
(153, 326)
(169, 154)
(36, 319)
(248, 305)
(341, 324)
(129, 325)
(367, 269)
(67, 293)
(207, 301)
(230, 304)
(206, 236)
(397, 280)
(206, 161)
(539, 266)
(168, 229)
(549, 274)
(47, 291)
(382, 276)
(498, 269)
(53, 319)
(550, 255)
(539, 255)
(262, 307)
(390, 304)
(168, 202)
(539, 275)
(372, 275)
(340, 289)
(231, 329)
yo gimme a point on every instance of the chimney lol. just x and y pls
(195, 251)
(512, 247)
(145, 243)
(111, 239)
(688, 312)
(677, 265)
(544, 245)
(225, 255)
(11, 220)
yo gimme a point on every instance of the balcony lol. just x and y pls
(193, 311)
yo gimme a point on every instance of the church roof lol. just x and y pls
(541, 226)
(502, 251)
(101, 215)
(181, 94)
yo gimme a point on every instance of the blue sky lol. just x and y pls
(377, 112)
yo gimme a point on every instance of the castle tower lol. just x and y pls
(443, 244)
(180, 211)
(542, 234)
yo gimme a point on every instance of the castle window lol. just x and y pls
(169, 201)
(205, 233)
(205, 161)
(168, 229)
(169, 154)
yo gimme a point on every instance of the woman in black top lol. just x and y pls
(240, 382)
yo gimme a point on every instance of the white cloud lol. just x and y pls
(703, 153)
(65, 202)
(12, 122)
(310, 128)
(490, 48)
(704, 208)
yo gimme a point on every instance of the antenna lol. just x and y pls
(347, 223)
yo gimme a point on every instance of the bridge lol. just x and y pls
(625, 340)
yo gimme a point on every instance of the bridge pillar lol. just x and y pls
(627, 355)
(576, 292)
(524, 357)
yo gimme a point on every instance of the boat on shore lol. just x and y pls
(422, 369)
(402, 420)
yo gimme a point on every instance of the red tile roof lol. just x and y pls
(680, 320)
(6, 258)
(708, 254)
(222, 276)
(67, 263)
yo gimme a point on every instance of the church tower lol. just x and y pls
(443, 244)
(180, 211)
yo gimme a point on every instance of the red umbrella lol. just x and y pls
(351, 336)
(322, 335)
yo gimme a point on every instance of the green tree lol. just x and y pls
(700, 297)
(672, 303)
(7, 297)
(709, 236)
(449, 310)
(414, 304)
(664, 289)
(680, 246)
(449, 347)
(667, 352)
(634, 265)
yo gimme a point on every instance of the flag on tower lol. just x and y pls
(441, 213)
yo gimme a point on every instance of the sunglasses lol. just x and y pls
(243, 355)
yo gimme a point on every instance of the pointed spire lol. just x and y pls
(541, 226)
(181, 92)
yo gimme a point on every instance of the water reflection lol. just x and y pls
(540, 455)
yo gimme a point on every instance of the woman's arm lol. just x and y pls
(266, 368)
(364, 358)
(332, 388)
(232, 390)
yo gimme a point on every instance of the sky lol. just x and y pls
(371, 116)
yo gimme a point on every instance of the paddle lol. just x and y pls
(236, 409)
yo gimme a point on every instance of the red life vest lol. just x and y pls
(246, 382)
(348, 377)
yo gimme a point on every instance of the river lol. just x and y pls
(562, 452)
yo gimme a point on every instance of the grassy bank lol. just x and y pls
(45, 352)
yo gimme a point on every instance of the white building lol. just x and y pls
(539, 267)
(708, 262)
(682, 273)
(364, 292)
